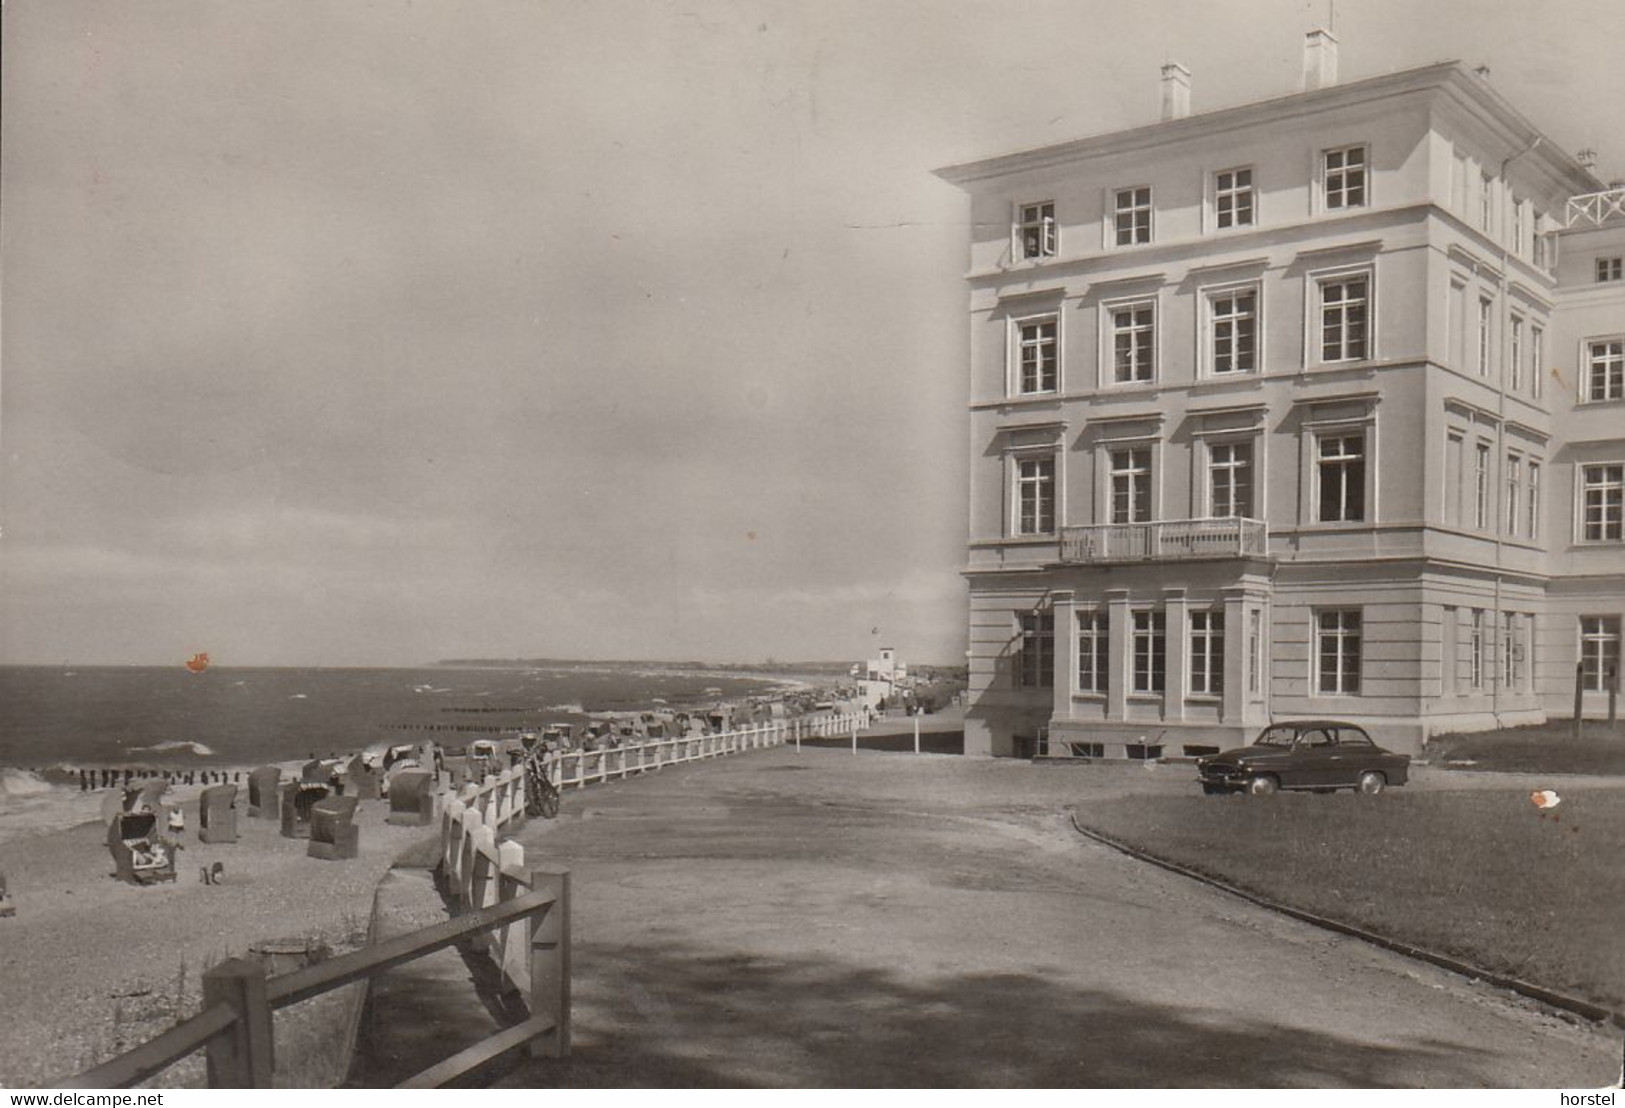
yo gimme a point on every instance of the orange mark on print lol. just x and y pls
(198, 663)
(1545, 798)
(751, 535)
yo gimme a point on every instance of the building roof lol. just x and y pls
(1473, 91)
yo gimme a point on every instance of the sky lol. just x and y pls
(373, 332)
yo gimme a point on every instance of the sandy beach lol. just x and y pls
(90, 966)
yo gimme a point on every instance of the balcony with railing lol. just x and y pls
(1166, 540)
(1594, 208)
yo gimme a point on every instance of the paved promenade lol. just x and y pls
(828, 920)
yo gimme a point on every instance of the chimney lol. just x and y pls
(1482, 73)
(1319, 60)
(1587, 158)
(1176, 91)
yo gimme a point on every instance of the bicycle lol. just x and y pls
(541, 795)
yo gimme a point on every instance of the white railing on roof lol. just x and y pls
(1594, 208)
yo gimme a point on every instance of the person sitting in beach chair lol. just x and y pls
(141, 856)
(177, 820)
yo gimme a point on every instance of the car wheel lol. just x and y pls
(1371, 783)
(1263, 786)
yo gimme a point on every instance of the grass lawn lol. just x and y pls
(1539, 748)
(1483, 876)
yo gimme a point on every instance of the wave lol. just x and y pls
(198, 749)
(22, 782)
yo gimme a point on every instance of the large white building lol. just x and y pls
(1312, 406)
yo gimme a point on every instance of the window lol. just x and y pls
(1343, 303)
(1599, 652)
(1131, 485)
(1235, 331)
(1345, 178)
(1509, 650)
(1230, 480)
(1456, 323)
(1483, 337)
(1515, 354)
(1514, 486)
(1453, 448)
(1094, 653)
(1486, 200)
(1207, 653)
(1602, 497)
(1341, 461)
(1520, 228)
(1481, 486)
(1476, 650)
(1537, 360)
(1610, 269)
(1150, 652)
(1038, 230)
(1035, 496)
(1133, 216)
(1605, 375)
(1233, 198)
(1255, 650)
(1532, 500)
(1134, 342)
(1036, 669)
(1040, 355)
(1337, 650)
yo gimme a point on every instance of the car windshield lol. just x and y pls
(1277, 736)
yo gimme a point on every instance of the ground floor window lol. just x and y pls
(1150, 652)
(1207, 653)
(1094, 654)
(1255, 650)
(1511, 672)
(1035, 668)
(1337, 650)
(1476, 649)
(1599, 652)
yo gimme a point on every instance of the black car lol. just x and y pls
(1320, 755)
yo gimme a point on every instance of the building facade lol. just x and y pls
(1313, 406)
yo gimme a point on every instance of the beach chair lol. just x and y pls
(411, 798)
(141, 856)
(361, 780)
(217, 814)
(333, 833)
(263, 792)
(298, 798)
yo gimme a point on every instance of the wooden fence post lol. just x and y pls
(240, 1057)
(550, 962)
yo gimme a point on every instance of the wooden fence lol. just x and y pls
(234, 1026)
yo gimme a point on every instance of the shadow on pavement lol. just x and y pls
(672, 1018)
